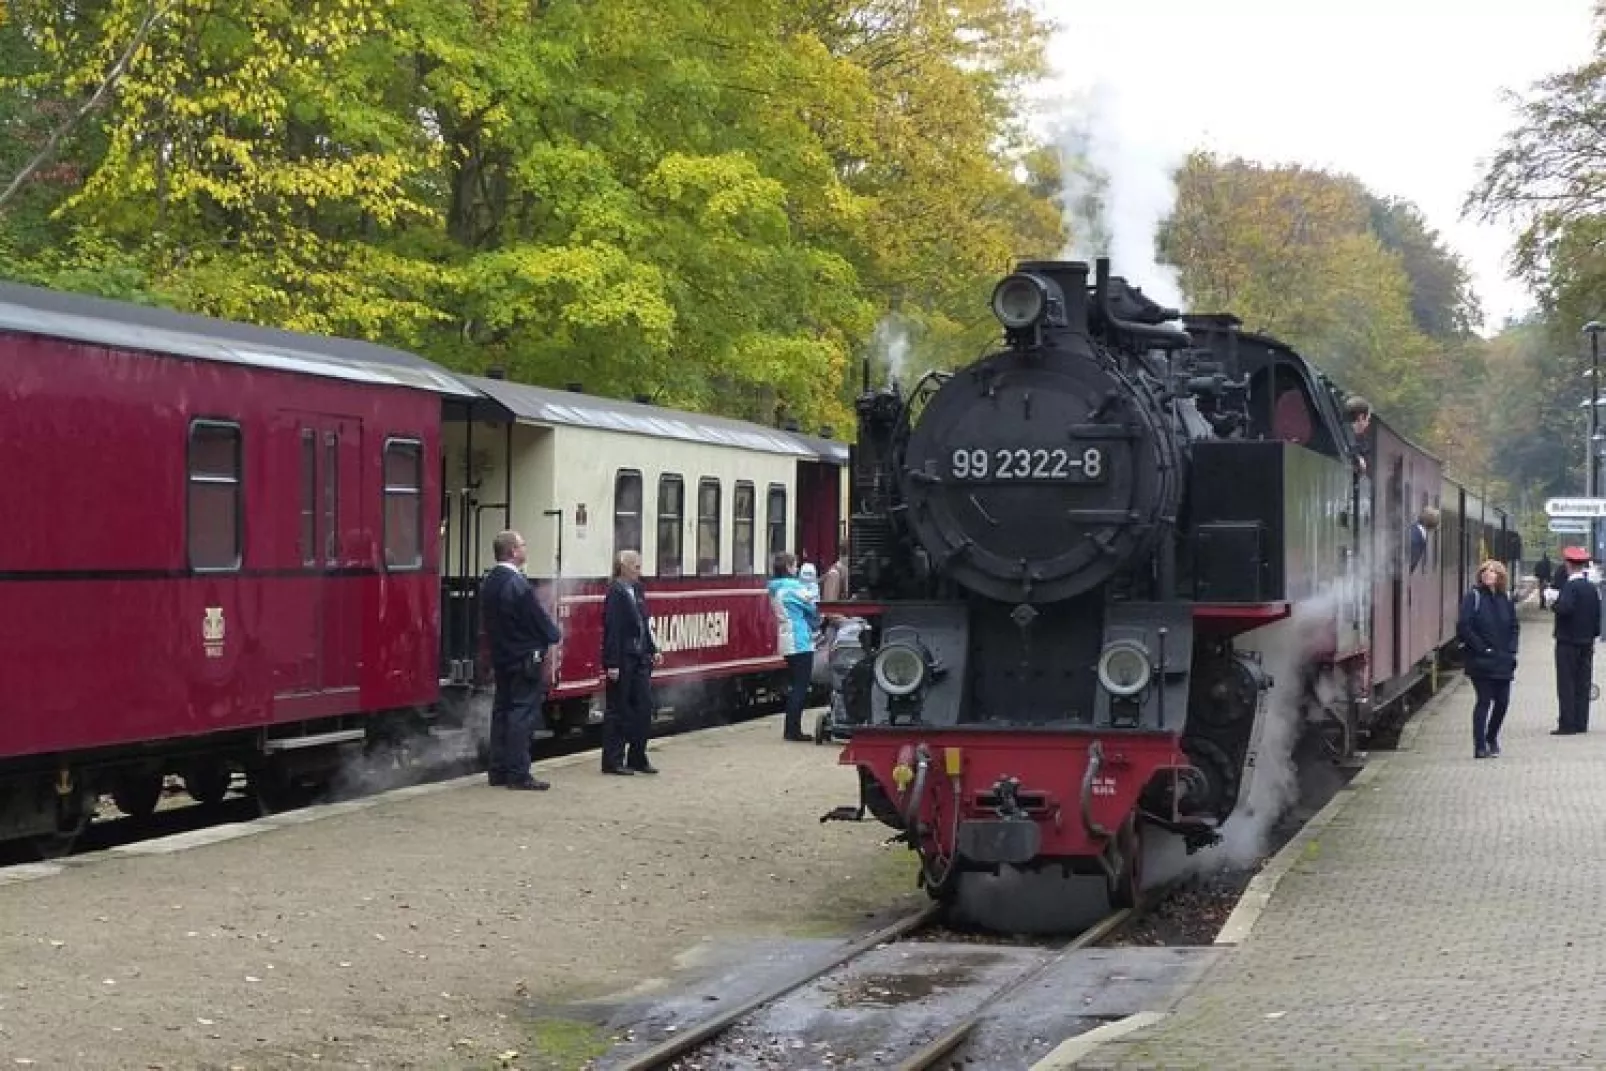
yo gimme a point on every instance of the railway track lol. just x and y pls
(694, 1046)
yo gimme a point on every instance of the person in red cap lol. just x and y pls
(1577, 612)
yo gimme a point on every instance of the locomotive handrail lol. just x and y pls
(1095, 762)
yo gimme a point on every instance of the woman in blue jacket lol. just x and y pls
(1487, 628)
(796, 617)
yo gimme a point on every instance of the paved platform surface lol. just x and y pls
(1453, 914)
(438, 928)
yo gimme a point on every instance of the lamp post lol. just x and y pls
(1593, 329)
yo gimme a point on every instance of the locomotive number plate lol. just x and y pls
(1034, 464)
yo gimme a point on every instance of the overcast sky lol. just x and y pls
(1404, 94)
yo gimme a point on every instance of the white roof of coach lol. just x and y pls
(163, 332)
(541, 405)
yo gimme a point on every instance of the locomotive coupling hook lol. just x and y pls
(1095, 762)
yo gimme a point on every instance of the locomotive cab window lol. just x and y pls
(671, 516)
(404, 504)
(775, 518)
(742, 534)
(707, 527)
(626, 511)
(214, 506)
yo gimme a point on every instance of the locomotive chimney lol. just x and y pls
(1071, 277)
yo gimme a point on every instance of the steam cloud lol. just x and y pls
(1288, 650)
(1117, 188)
(890, 342)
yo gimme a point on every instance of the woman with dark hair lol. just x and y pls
(1488, 629)
(796, 616)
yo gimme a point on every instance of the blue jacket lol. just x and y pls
(795, 616)
(1488, 628)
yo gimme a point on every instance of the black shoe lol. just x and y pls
(1563, 732)
(1494, 750)
(531, 785)
(618, 771)
(644, 768)
(1480, 754)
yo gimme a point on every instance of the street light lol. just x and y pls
(1593, 329)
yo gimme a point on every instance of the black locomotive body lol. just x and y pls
(1067, 549)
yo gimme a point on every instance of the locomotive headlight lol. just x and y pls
(1019, 301)
(1124, 668)
(899, 669)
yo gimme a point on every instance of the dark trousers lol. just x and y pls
(1575, 673)
(800, 673)
(515, 716)
(1489, 711)
(628, 719)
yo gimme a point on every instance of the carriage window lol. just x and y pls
(331, 498)
(671, 518)
(214, 495)
(626, 510)
(707, 527)
(309, 497)
(742, 536)
(404, 504)
(775, 518)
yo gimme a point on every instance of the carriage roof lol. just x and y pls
(163, 332)
(541, 405)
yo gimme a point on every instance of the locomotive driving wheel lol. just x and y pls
(1124, 880)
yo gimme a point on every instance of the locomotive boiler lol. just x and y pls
(1060, 547)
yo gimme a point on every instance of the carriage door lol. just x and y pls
(334, 551)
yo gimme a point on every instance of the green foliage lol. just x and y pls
(713, 204)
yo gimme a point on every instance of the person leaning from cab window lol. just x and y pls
(520, 631)
(796, 617)
(628, 655)
(1488, 627)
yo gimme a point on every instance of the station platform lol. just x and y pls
(1448, 914)
(440, 926)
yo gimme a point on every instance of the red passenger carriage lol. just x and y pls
(221, 551)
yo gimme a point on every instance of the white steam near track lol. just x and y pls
(1117, 188)
(1289, 651)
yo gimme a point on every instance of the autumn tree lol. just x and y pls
(713, 204)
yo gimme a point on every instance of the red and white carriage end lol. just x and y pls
(705, 500)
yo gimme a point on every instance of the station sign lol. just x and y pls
(1569, 525)
(1575, 507)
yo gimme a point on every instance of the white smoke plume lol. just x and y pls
(890, 345)
(1117, 189)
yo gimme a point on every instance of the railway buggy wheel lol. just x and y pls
(1126, 860)
(137, 793)
(207, 782)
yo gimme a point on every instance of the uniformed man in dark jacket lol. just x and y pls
(1542, 573)
(520, 631)
(628, 655)
(1577, 612)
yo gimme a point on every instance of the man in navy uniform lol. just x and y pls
(1577, 612)
(628, 655)
(520, 631)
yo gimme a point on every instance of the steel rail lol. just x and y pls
(945, 1043)
(680, 1044)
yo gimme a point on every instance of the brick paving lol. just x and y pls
(1451, 916)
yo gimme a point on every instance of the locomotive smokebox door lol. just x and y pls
(1143, 667)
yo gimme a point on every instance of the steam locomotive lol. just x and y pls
(1073, 553)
